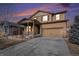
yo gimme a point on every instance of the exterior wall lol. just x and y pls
(30, 32)
(35, 30)
(51, 17)
(40, 15)
(51, 27)
(54, 25)
(62, 17)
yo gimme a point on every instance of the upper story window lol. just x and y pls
(45, 18)
(58, 17)
(35, 18)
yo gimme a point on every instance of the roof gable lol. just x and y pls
(41, 13)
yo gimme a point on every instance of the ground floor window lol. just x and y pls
(29, 28)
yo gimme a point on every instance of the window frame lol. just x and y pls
(45, 20)
(57, 16)
(35, 18)
(29, 28)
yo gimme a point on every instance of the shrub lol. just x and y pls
(2, 35)
(74, 31)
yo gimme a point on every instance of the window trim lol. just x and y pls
(47, 18)
(29, 28)
(57, 17)
(35, 18)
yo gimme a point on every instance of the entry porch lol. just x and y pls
(32, 28)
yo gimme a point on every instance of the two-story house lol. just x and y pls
(46, 24)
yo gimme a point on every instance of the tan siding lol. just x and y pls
(40, 15)
(51, 29)
(50, 17)
(35, 30)
(62, 17)
(54, 18)
(52, 25)
(39, 18)
(54, 29)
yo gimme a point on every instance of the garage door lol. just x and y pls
(55, 32)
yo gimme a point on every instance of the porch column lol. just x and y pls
(18, 32)
(33, 30)
(24, 32)
(40, 30)
(8, 29)
(11, 30)
(28, 28)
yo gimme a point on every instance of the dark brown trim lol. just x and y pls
(53, 28)
(40, 11)
(54, 22)
(60, 12)
(47, 18)
(24, 19)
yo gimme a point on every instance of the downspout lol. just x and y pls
(33, 31)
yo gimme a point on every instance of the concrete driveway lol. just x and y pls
(41, 46)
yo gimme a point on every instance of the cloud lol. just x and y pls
(51, 7)
(66, 5)
(31, 11)
(26, 12)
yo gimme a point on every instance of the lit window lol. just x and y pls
(29, 28)
(35, 18)
(45, 18)
(58, 17)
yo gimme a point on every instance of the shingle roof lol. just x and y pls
(40, 11)
(10, 24)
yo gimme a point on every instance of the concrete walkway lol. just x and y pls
(38, 47)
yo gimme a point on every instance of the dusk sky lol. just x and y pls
(17, 11)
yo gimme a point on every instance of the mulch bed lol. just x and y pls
(7, 43)
(74, 48)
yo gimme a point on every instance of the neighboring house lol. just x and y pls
(46, 24)
(10, 28)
